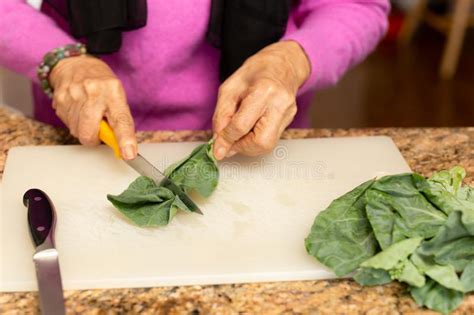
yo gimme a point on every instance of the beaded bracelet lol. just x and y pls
(52, 58)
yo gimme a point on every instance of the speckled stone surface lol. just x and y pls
(426, 150)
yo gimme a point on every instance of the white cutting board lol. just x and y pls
(253, 227)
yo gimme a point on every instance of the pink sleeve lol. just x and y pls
(26, 35)
(336, 34)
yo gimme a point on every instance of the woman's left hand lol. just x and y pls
(258, 101)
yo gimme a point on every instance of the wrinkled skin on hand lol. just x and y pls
(258, 101)
(85, 91)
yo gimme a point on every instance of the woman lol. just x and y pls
(166, 74)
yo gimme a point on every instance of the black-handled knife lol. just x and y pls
(42, 221)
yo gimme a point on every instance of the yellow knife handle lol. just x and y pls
(107, 136)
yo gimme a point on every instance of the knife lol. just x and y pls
(145, 168)
(41, 222)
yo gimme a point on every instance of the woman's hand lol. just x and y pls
(258, 101)
(85, 91)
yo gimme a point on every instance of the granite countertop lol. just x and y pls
(425, 149)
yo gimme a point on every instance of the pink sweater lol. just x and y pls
(170, 72)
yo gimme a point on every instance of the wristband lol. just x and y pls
(52, 58)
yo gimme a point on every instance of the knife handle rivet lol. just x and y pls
(37, 198)
(40, 228)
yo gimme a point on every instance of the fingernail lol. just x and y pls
(231, 153)
(128, 152)
(220, 153)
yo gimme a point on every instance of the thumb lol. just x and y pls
(121, 121)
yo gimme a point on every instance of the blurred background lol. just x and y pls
(421, 74)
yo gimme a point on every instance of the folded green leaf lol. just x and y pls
(394, 260)
(405, 271)
(451, 179)
(436, 297)
(383, 218)
(444, 190)
(371, 276)
(443, 274)
(198, 171)
(453, 245)
(400, 185)
(467, 277)
(418, 216)
(341, 236)
(390, 257)
(143, 190)
(151, 212)
(147, 204)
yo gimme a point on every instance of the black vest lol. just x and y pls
(239, 28)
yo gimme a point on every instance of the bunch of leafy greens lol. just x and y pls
(148, 204)
(403, 227)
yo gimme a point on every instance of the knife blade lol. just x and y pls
(145, 168)
(41, 222)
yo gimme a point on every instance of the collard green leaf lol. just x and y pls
(145, 214)
(444, 190)
(466, 193)
(196, 172)
(371, 276)
(383, 218)
(400, 185)
(467, 277)
(441, 194)
(147, 204)
(436, 297)
(443, 274)
(341, 236)
(397, 233)
(406, 272)
(451, 180)
(453, 245)
(419, 217)
(143, 190)
(423, 229)
(390, 257)
(419, 294)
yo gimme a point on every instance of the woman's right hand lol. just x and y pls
(85, 91)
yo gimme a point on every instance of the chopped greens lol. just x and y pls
(147, 204)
